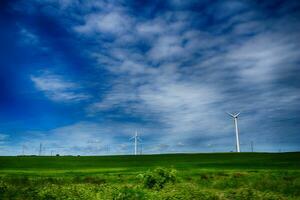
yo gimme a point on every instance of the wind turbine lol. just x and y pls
(41, 149)
(136, 140)
(235, 117)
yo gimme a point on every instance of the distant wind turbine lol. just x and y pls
(235, 117)
(41, 149)
(136, 140)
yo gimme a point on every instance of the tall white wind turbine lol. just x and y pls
(235, 119)
(136, 140)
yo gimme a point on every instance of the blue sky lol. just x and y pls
(81, 76)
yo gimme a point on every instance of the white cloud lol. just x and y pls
(166, 47)
(29, 37)
(73, 139)
(58, 89)
(263, 57)
(151, 27)
(112, 22)
(184, 107)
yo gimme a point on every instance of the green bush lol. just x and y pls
(157, 178)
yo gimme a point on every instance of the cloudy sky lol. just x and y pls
(81, 76)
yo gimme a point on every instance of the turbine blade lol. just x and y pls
(230, 114)
(236, 115)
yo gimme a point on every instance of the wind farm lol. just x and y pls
(149, 100)
(223, 175)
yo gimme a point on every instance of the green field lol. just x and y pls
(174, 176)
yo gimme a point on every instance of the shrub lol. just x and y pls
(158, 178)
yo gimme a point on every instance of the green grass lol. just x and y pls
(199, 176)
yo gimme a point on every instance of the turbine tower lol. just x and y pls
(40, 150)
(235, 118)
(136, 140)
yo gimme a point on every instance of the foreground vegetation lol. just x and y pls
(179, 176)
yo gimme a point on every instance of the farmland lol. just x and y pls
(170, 176)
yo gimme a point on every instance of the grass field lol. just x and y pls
(175, 176)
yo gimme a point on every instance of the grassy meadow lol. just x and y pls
(222, 176)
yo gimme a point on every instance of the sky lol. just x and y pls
(80, 77)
